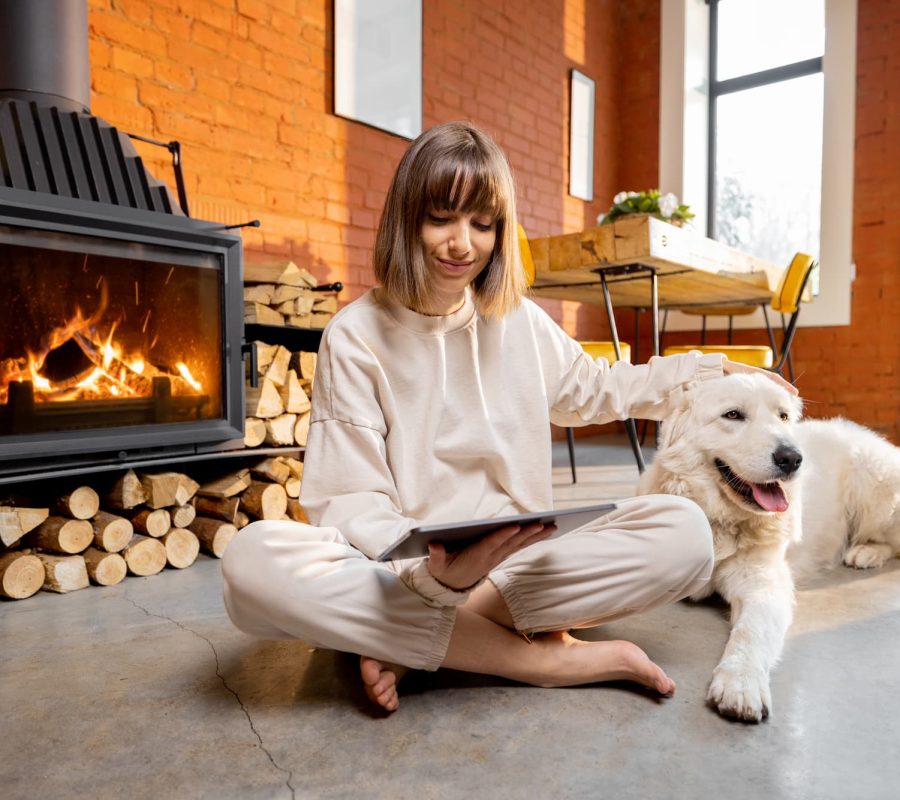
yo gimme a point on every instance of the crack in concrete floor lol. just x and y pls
(221, 677)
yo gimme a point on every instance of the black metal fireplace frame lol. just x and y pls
(30, 454)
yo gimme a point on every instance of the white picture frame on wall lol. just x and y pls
(378, 64)
(581, 136)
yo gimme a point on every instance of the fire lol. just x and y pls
(91, 365)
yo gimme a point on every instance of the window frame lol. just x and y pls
(686, 129)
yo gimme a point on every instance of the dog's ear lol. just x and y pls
(675, 423)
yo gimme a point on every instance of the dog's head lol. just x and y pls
(730, 441)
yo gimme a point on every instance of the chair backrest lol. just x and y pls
(789, 293)
(607, 350)
(527, 257)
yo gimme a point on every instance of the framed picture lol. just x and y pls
(378, 64)
(581, 137)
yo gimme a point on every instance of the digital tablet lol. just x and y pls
(457, 535)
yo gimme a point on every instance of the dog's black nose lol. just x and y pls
(787, 458)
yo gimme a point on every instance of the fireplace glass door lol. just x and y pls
(98, 333)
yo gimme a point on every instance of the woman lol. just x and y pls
(432, 402)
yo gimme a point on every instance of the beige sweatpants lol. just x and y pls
(289, 580)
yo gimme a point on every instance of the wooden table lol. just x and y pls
(642, 262)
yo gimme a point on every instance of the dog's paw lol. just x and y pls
(740, 693)
(867, 556)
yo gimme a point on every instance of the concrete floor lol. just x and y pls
(145, 690)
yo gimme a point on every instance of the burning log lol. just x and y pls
(21, 574)
(64, 573)
(81, 503)
(214, 535)
(104, 569)
(111, 533)
(182, 547)
(67, 365)
(62, 535)
(15, 522)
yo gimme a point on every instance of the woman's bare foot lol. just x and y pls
(380, 680)
(570, 661)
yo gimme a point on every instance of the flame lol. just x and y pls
(114, 373)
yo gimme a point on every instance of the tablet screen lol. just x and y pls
(457, 535)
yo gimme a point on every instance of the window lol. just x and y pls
(765, 125)
(777, 104)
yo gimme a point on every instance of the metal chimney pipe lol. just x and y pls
(44, 53)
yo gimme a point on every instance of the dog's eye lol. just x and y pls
(734, 414)
(784, 416)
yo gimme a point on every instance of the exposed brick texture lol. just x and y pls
(246, 87)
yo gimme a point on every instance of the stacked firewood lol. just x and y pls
(285, 295)
(278, 407)
(140, 524)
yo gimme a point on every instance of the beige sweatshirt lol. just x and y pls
(420, 419)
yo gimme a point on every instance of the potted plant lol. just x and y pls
(650, 202)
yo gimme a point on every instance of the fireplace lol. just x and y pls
(120, 337)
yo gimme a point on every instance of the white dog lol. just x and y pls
(777, 491)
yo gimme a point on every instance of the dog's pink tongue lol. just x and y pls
(770, 496)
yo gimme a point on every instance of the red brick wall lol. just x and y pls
(246, 87)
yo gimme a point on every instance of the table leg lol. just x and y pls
(654, 302)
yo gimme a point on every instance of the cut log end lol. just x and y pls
(21, 575)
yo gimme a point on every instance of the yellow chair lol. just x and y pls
(595, 350)
(791, 291)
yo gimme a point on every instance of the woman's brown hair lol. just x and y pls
(450, 167)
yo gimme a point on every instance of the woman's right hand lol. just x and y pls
(464, 568)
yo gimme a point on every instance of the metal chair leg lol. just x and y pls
(570, 440)
(635, 444)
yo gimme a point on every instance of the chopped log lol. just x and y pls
(144, 555)
(214, 535)
(271, 469)
(227, 486)
(126, 492)
(286, 308)
(263, 401)
(280, 431)
(327, 304)
(257, 313)
(21, 574)
(15, 522)
(297, 276)
(293, 397)
(182, 547)
(151, 522)
(284, 293)
(254, 432)
(264, 354)
(111, 532)
(64, 573)
(224, 508)
(81, 503)
(241, 520)
(182, 516)
(292, 487)
(304, 364)
(295, 511)
(62, 535)
(300, 320)
(319, 320)
(278, 369)
(262, 293)
(301, 429)
(304, 304)
(103, 568)
(168, 488)
(294, 465)
(264, 500)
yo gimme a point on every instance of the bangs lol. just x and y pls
(463, 184)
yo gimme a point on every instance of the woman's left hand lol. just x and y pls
(734, 367)
(464, 568)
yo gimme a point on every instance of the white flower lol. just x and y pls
(668, 204)
(634, 194)
(620, 197)
(600, 218)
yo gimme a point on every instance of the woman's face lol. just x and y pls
(456, 245)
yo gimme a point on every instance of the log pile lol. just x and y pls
(137, 525)
(285, 295)
(278, 407)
